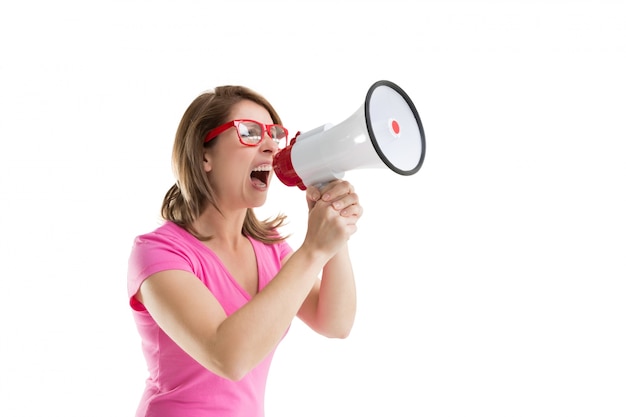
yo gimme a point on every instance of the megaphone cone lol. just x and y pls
(384, 132)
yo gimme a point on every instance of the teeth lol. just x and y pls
(263, 168)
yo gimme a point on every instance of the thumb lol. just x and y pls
(313, 194)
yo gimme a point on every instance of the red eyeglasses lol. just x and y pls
(251, 132)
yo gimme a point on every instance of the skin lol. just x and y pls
(187, 311)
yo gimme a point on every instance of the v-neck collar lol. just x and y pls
(217, 259)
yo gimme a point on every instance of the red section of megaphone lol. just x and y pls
(284, 168)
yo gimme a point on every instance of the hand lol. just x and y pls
(340, 194)
(334, 210)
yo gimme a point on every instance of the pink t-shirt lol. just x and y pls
(178, 385)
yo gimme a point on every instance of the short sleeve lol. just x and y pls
(149, 255)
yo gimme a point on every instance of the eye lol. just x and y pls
(250, 131)
(277, 132)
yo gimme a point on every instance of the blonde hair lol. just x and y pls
(192, 193)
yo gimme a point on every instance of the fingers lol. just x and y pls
(336, 222)
(345, 201)
(335, 190)
(334, 211)
(342, 197)
(353, 210)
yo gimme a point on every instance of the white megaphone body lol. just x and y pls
(385, 132)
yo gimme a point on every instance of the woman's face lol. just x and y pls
(241, 174)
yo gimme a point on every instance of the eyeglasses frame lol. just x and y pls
(215, 132)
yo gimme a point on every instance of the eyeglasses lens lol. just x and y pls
(250, 132)
(277, 133)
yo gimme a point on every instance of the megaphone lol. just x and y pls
(385, 132)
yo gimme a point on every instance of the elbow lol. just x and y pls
(338, 328)
(229, 367)
(231, 372)
(337, 332)
(343, 334)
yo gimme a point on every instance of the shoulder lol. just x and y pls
(167, 247)
(166, 232)
(167, 237)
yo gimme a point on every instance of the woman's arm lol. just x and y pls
(330, 308)
(231, 346)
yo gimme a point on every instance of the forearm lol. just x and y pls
(249, 334)
(336, 308)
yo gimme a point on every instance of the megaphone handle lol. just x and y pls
(320, 185)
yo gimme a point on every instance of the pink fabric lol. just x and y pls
(177, 385)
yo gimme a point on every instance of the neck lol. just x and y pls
(224, 228)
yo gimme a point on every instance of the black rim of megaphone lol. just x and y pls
(373, 136)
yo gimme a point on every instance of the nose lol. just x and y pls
(268, 144)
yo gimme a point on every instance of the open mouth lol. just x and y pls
(260, 175)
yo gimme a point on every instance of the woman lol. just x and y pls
(214, 290)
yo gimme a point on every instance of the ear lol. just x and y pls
(207, 164)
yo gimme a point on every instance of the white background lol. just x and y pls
(491, 283)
